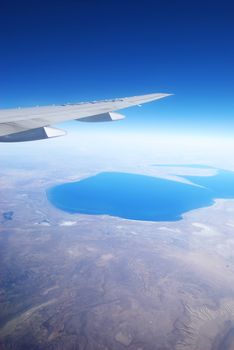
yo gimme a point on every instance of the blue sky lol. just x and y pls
(67, 51)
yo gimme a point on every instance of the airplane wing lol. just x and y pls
(33, 123)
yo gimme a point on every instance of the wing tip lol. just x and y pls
(163, 94)
(154, 96)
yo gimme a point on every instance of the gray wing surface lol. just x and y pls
(21, 120)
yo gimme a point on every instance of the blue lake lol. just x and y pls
(140, 197)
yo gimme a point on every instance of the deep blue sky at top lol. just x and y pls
(66, 51)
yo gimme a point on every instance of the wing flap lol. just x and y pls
(104, 117)
(33, 134)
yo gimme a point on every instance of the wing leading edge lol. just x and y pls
(26, 124)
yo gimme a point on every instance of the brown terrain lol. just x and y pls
(97, 282)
